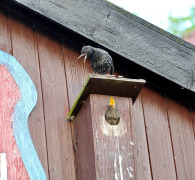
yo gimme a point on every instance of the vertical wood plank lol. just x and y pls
(25, 50)
(84, 144)
(181, 127)
(158, 134)
(76, 71)
(60, 149)
(112, 144)
(104, 151)
(5, 41)
(140, 140)
(193, 117)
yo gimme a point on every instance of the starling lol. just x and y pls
(112, 114)
(101, 61)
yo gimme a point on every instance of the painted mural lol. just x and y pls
(18, 97)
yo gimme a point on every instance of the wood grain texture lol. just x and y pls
(59, 142)
(76, 71)
(125, 34)
(84, 144)
(158, 134)
(104, 151)
(112, 144)
(193, 117)
(181, 127)
(5, 41)
(25, 50)
(141, 153)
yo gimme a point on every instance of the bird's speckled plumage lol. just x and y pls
(101, 61)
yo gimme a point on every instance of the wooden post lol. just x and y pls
(104, 151)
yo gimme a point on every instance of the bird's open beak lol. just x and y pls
(85, 54)
(112, 103)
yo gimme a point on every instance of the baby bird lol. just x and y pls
(101, 61)
(112, 115)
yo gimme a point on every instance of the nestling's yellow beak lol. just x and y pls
(112, 103)
(85, 54)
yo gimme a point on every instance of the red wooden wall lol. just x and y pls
(164, 128)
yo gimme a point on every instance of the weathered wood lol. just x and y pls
(84, 144)
(158, 135)
(193, 118)
(141, 154)
(183, 141)
(5, 41)
(55, 100)
(25, 50)
(76, 71)
(106, 85)
(124, 33)
(102, 149)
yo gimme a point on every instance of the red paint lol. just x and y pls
(9, 95)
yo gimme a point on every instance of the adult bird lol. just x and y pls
(101, 61)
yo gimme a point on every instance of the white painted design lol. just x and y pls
(129, 172)
(120, 165)
(131, 168)
(131, 143)
(113, 130)
(3, 166)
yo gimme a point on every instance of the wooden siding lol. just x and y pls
(164, 127)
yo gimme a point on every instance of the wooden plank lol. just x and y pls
(25, 50)
(181, 127)
(106, 85)
(76, 71)
(142, 164)
(193, 118)
(83, 137)
(117, 155)
(123, 33)
(158, 134)
(59, 142)
(111, 148)
(5, 41)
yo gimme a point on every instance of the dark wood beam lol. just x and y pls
(125, 34)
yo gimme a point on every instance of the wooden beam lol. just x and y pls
(124, 33)
(104, 151)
